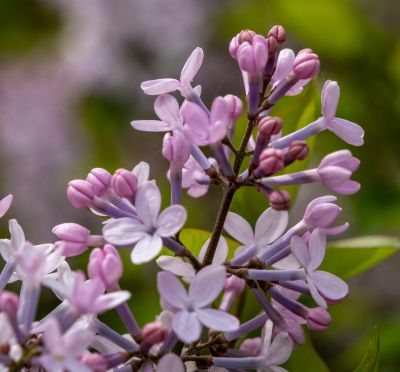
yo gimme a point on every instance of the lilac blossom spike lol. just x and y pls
(192, 310)
(147, 232)
(189, 71)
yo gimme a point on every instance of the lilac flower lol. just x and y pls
(193, 310)
(323, 285)
(270, 226)
(167, 109)
(63, 352)
(189, 71)
(177, 266)
(192, 173)
(274, 352)
(284, 65)
(147, 231)
(170, 363)
(348, 131)
(5, 204)
(203, 128)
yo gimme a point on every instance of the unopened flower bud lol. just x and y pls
(252, 57)
(124, 183)
(246, 36)
(269, 125)
(96, 362)
(298, 150)
(321, 212)
(270, 162)
(318, 319)
(105, 264)
(234, 284)
(74, 238)
(235, 106)
(272, 45)
(80, 193)
(251, 346)
(279, 200)
(154, 333)
(306, 64)
(100, 179)
(9, 303)
(278, 32)
(176, 148)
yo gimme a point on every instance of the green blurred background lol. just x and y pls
(69, 86)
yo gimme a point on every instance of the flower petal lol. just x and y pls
(280, 349)
(110, 300)
(186, 326)
(5, 204)
(146, 249)
(330, 286)
(347, 188)
(170, 363)
(316, 244)
(221, 251)
(218, 320)
(142, 172)
(123, 231)
(300, 250)
(160, 86)
(17, 235)
(329, 99)
(206, 286)
(219, 111)
(52, 334)
(176, 266)
(348, 131)
(270, 226)
(148, 203)
(171, 220)
(171, 290)
(316, 295)
(197, 120)
(192, 66)
(167, 109)
(283, 65)
(151, 125)
(237, 227)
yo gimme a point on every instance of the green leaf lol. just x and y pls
(306, 359)
(370, 362)
(350, 257)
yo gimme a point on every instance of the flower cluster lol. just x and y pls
(198, 319)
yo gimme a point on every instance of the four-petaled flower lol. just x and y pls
(189, 71)
(323, 285)
(147, 231)
(193, 309)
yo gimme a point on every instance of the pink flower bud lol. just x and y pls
(9, 303)
(96, 362)
(234, 284)
(154, 333)
(105, 264)
(252, 57)
(100, 179)
(235, 106)
(279, 200)
(124, 183)
(176, 148)
(74, 238)
(298, 150)
(306, 64)
(321, 212)
(241, 37)
(318, 319)
(251, 346)
(271, 161)
(278, 32)
(80, 193)
(269, 125)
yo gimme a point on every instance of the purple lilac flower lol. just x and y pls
(147, 231)
(193, 309)
(323, 285)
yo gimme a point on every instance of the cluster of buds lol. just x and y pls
(275, 264)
